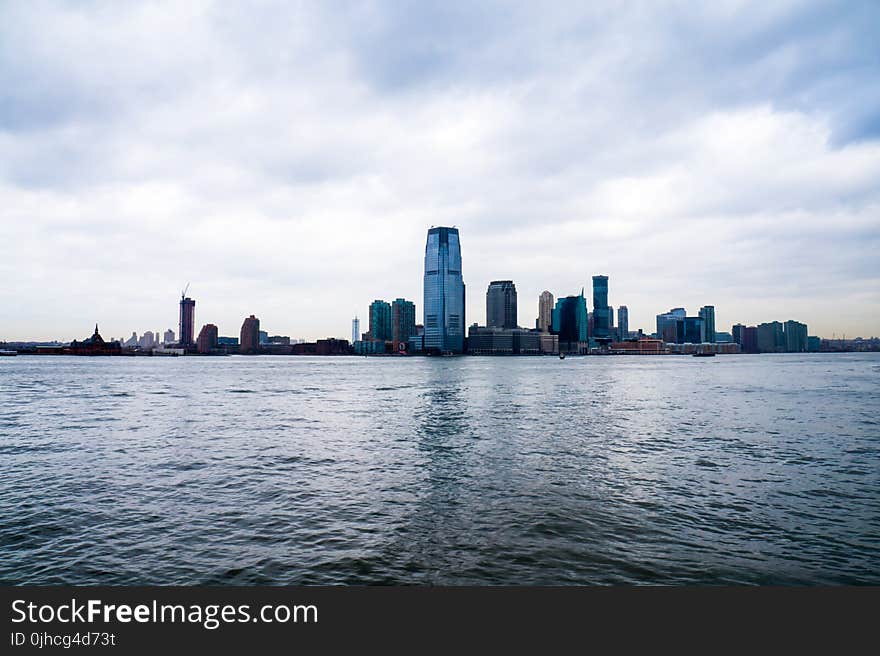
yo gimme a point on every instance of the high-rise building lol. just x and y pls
(380, 321)
(668, 325)
(737, 332)
(355, 330)
(501, 304)
(168, 337)
(749, 339)
(187, 321)
(208, 338)
(403, 322)
(771, 337)
(545, 312)
(694, 331)
(250, 335)
(795, 336)
(264, 337)
(570, 321)
(148, 340)
(602, 314)
(623, 322)
(707, 314)
(444, 292)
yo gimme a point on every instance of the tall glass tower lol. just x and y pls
(444, 292)
(602, 313)
(501, 304)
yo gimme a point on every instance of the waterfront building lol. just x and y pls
(603, 318)
(737, 332)
(813, 344)
(795, 334)
(501, 304)
(147, 340)
(168, 337)
(749, 339)
(444, 292)
(643, 346)
(403, 322)
(771, 337)
(693, 332)
(545, 312)
(94, 345)
(264, 337)
(187, 321)
(227, 341)
(623, 322)
(278, 340)
(488, 340)
(250, 335)
(707, 314)
(668, 325)
(355, 330)
(570, 322)
(208, 338)
(725, 338)
(380, 321)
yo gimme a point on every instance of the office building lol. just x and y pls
(168, 337)
(545, 312)
(603, 318)
(187, 321)
(623, 322)
(355, 330)
(570, 319)
(250, 335)
(380, 320)
(692, 331)
(208, 338)
(403, 322)
(501, 304)
(707, 314)
(444, 292)
(668, 325)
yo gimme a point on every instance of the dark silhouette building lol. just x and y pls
(501, 305)
(602, 313)
(94, 345)
(187, 321)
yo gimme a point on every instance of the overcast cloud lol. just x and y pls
(287, 159)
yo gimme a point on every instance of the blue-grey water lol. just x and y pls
(530, 470)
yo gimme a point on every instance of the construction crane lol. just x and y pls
(183, 293)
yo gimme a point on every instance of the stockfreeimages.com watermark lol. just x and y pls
(209, 616)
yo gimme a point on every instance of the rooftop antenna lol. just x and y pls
(183, 293)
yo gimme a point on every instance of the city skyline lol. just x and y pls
(147, 146)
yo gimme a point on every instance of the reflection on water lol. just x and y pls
(735, 469)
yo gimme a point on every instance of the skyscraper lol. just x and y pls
(403, 321)
(444, 292)
(570, 321)
(250, 335)
(545, 311)
(380, 320)
(501, 304)
(623, 322)
(668, 327)
(168, 337)
(602, 314)
(355, 330)
(207, 340)
(187, 321)
(707, 314)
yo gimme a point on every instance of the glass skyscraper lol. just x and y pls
(602, 313)
(444, 315)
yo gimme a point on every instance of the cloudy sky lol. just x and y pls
(286, 159)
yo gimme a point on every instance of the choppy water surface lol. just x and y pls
(277, 470)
